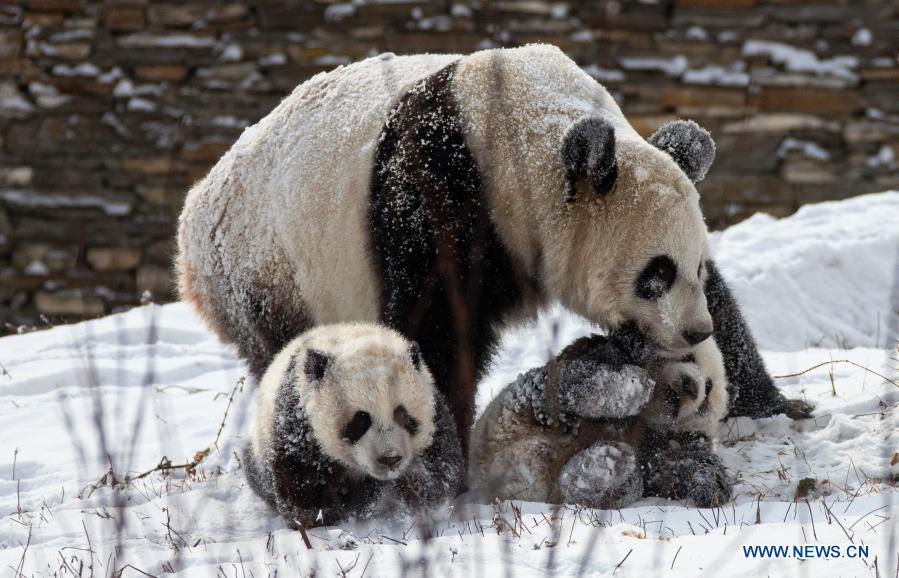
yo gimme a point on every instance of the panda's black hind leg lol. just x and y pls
(270, 322)
(256, 477)
(751, 390)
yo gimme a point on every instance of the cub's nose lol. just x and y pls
(693, 337)
(389, 461)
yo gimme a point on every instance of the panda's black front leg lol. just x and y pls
(751, 390)
(682, 466)
(303, 484)
(314, 491)
(437, 474)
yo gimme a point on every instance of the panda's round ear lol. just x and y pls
(690, 145)
(588, 152)
(316, 365)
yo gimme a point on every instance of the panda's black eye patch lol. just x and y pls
(407, 422)
(657, 278)
(356, 428)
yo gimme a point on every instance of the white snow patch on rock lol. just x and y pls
(674, 66)
(862, 37)
(800, 60)
(807, 148)
(732, 75)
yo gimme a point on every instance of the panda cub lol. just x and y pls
(606, 422)
(347, 418)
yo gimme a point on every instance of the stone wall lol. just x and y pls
(110, 110)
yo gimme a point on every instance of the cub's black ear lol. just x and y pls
(588, 151)
(415, 356)
(690, 145)
(316, 365)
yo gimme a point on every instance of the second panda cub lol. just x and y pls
(607, 421)
(347, 416)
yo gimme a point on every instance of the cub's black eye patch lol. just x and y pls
(656, 278)
(356, 428)
(407, 422)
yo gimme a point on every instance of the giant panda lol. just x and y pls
(347, 421)
(604, 423)
(448, 196)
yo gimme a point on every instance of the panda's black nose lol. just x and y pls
(389, 461)
(694, 337)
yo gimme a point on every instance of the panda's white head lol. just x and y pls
(369, 400)
(635, 242)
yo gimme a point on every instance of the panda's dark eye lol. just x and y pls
(356, 428)
(405, 421)
(656, 278)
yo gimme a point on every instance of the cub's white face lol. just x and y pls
(373, 407)
(637, 253)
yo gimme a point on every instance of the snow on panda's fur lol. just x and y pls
(593, 427)
(446, 196)
(347, 416)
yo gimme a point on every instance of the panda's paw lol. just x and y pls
(798, 409)
(711, 485)
(683, 466)
(605, 475)
(774, 405)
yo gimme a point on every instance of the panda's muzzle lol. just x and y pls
(390, 461)
(694, 336)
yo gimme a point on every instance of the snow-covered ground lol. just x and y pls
(84, 406)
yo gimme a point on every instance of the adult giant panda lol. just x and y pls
(447, 195)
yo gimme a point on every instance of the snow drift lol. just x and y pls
(823, 277)
(84, 406)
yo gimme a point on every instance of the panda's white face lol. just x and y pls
(668, 301)
(373, 409)
(661, 285)
(638, 252)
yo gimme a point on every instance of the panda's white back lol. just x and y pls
(308, 161)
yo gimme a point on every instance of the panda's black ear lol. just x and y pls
(588, 151)
(415, 356)
(316, 365)
(690, 145)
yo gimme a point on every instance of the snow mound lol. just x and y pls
(827, 276)
(120, 394)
